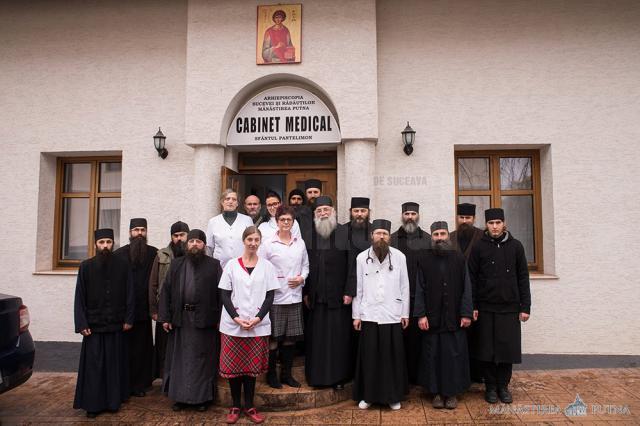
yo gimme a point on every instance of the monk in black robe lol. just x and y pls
(463, 239)
(410, 239)
(103, 311)
(140, 257)
(328, 293)
(190, 313)
(501, 300)
(444, 309)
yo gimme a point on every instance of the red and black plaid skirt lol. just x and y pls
(243, 356)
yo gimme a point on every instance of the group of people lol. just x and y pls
(363, 304)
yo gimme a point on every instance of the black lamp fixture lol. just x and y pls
(408, 137)
(158, 142)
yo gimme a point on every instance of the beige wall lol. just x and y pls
(76, 78)
(524, 73)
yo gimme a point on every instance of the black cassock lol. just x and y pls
(443, 295)
(500, 280)
(411, 245)
(359, 240)
(104, 302)
(191, 365)
(140, 337)
(328, 336)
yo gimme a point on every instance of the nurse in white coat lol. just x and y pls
(270, 227)
(247, 290)
(224, 231)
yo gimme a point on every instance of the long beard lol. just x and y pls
(359, 224)
(137, 249)
(410, 226)
(465, 232)
(381, 249)
(195, 255)
(104, 257)
(442, 247)
(325, 225)
(178, 248)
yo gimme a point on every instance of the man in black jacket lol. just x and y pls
(410, 239)
(140, 256)
(444, 307)
(501, 300)
(190, 313)
(103, 310)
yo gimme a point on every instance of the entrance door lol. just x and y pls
(261, 172)
(296, 180)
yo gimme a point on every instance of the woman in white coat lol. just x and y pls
(247, 289)
(288, 253)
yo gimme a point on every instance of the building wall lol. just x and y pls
(86, 77)
(100, 77)
(562, 75)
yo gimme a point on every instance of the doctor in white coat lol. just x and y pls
(270, 227)
(224, 231)
(380, 311)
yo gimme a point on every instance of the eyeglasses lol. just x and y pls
(285, 219)
(273, 205)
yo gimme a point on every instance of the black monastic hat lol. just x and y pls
(138, 222)
(466, 209)
(99, 234)
(410, 206)
(359, 203)
(381, 224)
(493, 214)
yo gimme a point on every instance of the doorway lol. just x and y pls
(261, 172)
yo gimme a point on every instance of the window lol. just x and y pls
(507, 179)
(87, 198)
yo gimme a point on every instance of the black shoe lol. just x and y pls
(504, 395)
(287, 364)
(91, 414)
(139, 394)
(490, 395)
(338, 387)
(176, 407)
(272, 375)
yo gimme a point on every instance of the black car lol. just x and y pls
(17, 350)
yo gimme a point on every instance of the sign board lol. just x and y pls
(284, 116)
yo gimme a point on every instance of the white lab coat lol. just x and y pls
(268, 229)
(290, 260)
(382, 295)
(248, 292)
(224, 240)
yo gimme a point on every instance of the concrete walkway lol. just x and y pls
(608, 396)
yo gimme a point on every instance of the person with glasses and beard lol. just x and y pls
(444, 308)
(410, 239)
(463, 239)
(103, 311)
(174, 250)
(329, 290)
(380, 311)
(140, 256)
(190, 314)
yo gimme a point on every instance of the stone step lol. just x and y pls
(287, 398)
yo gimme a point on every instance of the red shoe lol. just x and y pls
(254, 416)
(233, 416)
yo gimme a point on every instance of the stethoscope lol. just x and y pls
(370, 259)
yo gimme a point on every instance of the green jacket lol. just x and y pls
(158, 274)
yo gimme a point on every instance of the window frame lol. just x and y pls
(495, 192)
(94, 195)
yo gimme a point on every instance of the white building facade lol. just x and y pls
(554, 85)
